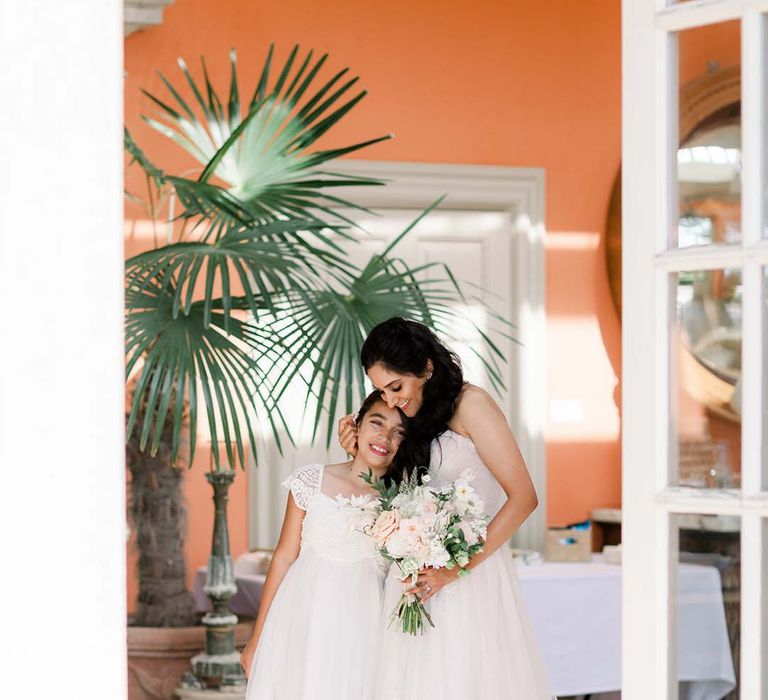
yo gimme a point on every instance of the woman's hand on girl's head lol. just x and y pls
(348, 434)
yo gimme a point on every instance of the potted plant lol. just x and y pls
(252, 291)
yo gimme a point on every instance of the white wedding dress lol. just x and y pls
(320, 639)
(482, 646)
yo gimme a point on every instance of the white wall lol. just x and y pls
(62, 483)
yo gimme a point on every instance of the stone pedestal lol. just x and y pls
(218, 667)
(158, 656)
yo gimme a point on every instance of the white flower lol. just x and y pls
(438, 555)
(363, 501)
(464, 492)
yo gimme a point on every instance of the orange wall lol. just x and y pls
(521, 84)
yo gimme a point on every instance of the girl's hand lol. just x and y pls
(348, 434)
(246, 657)
(431, 581)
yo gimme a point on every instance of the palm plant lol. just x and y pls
(255, 290)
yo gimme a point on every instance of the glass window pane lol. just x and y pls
(709, 154)
(708, 604)
(706, 357)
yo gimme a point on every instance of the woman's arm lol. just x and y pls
(285, 554)
(479, 418)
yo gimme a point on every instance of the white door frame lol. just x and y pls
(519, 192)
(62, 384)
(650, 500)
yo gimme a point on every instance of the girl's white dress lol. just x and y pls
(320, 639)
(482, 646)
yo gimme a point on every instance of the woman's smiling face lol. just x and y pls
(379, 435)
(403, 391)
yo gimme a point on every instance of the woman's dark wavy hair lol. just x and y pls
(400, 461)
(405, 347)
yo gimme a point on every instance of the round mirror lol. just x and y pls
(709, 194)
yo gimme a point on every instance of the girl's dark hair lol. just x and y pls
(400, 462)
(406, 347)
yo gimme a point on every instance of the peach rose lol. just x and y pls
(387, 523)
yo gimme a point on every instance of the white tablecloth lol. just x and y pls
(575, 610)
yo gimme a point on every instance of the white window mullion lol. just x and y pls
(696, 13)
(753, 115)
(666, 606)
(710, 502)
(640, 530)
(707, 258)
(752, 377)
(665, 236)
(752, 614)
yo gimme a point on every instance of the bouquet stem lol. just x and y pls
(412, 615)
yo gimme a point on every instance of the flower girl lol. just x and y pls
(317, 631)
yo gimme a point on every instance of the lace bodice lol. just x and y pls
(451, 454)
(333, 528)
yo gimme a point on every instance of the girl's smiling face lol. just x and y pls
(379, 434)
(403, 391)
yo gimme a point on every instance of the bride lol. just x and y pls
(482, 647)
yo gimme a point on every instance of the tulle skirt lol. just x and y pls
(481, 648)
(321, 636)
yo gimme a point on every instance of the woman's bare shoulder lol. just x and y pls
(473, 404)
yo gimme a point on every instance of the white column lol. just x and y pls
(643, 659)
(62, 479)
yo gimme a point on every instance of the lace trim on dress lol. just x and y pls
(304, 484)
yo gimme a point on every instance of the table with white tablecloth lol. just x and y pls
(575, 610)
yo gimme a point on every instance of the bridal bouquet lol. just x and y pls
(419, 527)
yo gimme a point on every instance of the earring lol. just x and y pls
(429, 375)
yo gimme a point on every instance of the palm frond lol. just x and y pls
(324, 329)
(266, 156)
(265, 260)
(185, 358)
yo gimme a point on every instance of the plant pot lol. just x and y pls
(159, 656)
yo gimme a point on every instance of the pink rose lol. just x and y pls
(387, 522)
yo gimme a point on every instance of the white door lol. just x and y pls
(694, 363)
(482, 249)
